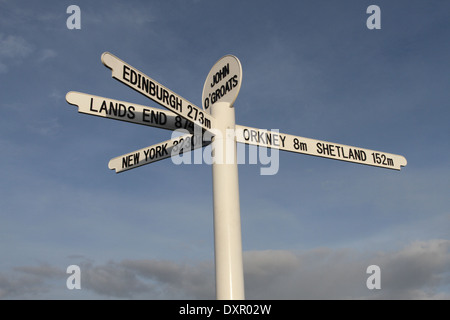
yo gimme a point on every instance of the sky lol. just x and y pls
(310, 68)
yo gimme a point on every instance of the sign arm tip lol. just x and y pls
(106, 59)
(404, 162)
(70, 98)
(111, 165)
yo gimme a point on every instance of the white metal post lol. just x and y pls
(227, 220)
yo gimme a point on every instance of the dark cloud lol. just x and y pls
(112, 280)
(29, 282)
(43, 271)
(417, 271)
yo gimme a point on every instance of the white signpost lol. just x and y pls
(330, 150)
(217, 119)
(155, 91)
(222, 83)
(156, 152)
(129, 112)
(220, 90)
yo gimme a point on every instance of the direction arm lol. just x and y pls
(319, 148)
(150, 88)
(129, 112)
(156, 152)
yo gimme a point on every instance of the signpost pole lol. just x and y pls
(220, 90)
(227, 221)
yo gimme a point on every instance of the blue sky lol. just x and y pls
(310, 68)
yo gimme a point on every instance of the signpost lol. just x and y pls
(222, 83)
(155, 91)
(129, 112)
(220, 90)
(217, 120)
(156, 152)
(318, 148)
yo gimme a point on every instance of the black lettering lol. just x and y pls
(152, 153)
(343, 153)
(112, 108)
(162, 118)
(133, 77)
(276, 141)
(164, 150)
(126, 72)
(261, 137)
(103, 107)
(159, 92)
(268, 138)
(338, 148)
(158, 151)
(283, 138)
(350, 154)
(221, 74)
(319, 148)
(145, 115)
(235, 80)
(128, 161)
(92, 102)
(253, 135)
(152, 88)
(332, 150)
(358, 155)
(225, 70)
(364, 156)
(136, 158)
(228, 86)
(122, 110)
(139, 81)
(154, 117)
(246, 135)
(131, 114)
(165, 97)
(179, 105)
(145, 84)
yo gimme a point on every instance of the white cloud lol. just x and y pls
(13, 50)
(13, 47)
(46, 54)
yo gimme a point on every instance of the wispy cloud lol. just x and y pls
(13, 49)
(46, 54)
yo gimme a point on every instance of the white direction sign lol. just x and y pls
(319, 148)
(156, 152)
(222, 85)
(155, 91)
(223, 82)
(126, 111)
